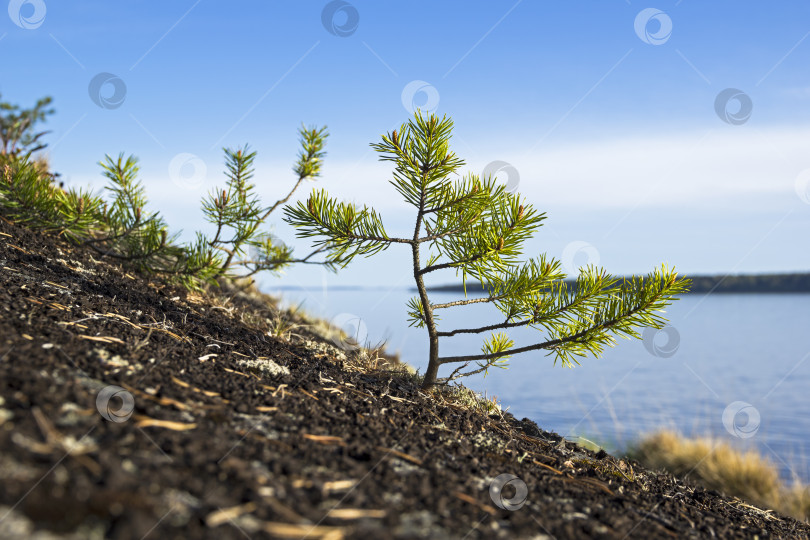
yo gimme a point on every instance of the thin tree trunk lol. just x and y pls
(433, 366)
(433, 361)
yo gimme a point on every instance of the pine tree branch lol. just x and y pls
(528, 322)
(511, 352)
(556, 343)
(126, 257)
(452, 376)
(369, 238)
(279, 202)
(470, 301)
(455, 374)
(269, 264)
(450, 204)
(454, 264)
(112, 237)
(308, 166)
(483, 329)
(444, 234)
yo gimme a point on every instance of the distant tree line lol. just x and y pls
(753, 283)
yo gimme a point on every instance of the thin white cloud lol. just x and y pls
(741, 164)
(691, 169)
(679, 170)
(801, 92)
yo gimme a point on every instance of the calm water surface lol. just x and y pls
(747, 356)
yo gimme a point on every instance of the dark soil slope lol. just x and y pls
(235, 433)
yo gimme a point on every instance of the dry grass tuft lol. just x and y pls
(716, 465)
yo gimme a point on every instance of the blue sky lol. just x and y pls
(607, 111)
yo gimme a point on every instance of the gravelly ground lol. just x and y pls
(234, 433)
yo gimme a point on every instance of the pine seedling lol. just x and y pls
(238, 246)
(473, 226)
(128, 231)
(28, 196)
(122, 228)
(17, 135)
(19, 139)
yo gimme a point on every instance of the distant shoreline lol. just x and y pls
(752, 283)
(732, 284)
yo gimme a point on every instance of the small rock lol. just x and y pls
(265, 366)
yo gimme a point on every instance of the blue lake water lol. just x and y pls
(734, 366)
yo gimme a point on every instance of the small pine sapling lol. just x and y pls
(126, 230)
(474, 226)
(123, 229)
(237, 214)
(17, 135)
